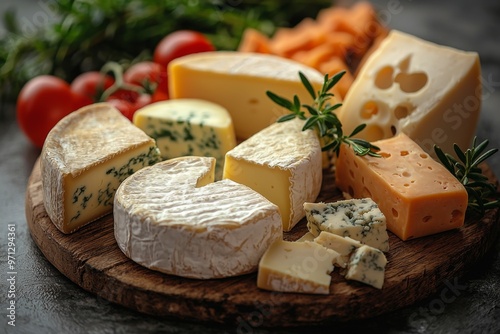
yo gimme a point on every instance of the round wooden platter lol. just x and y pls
(416, 269)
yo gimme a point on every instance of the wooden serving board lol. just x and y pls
(416, 269)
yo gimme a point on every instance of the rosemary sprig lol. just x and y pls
(322, 118)
(466, 169)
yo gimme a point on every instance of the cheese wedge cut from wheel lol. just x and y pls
(84, 159)
(172, 217)
(188, 127)
(302, 267)
(360, 219)
(417, 195)
(238, 81)
(281, 162)
(432, 93)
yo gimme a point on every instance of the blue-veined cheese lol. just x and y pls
(302, 267)
(367, 265)
(359, 219)
(281, 162)
(345, 246)
(172, 217)
(188, 127)
(84, 159)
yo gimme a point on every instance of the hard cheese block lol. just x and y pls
(359, 219)
(189, 127)
(367, 265)
(238, 81)
(417, 195)
(302, 267)
(173, 218)
(281, 162)
(431, 93)
(84, 159)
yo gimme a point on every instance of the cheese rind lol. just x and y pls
(281, 162)
(359, 219)
(417, 195)
(188, 127)
(367, 265)
(302, 267)
(172, 217)
(84, 159)
(406, 87)
(238, 81)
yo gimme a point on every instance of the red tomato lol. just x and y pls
(42, 102)
(125, 107)
(91, 84)
(143, 74)
(180, 43)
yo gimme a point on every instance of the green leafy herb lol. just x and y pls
(466, 169)
(322, 117)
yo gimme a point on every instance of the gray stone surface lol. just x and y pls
(47, 302)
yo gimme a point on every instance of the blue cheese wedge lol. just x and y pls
(189, 127)
(359, 219)
(345, 246)
(85, 158)
(367, 265)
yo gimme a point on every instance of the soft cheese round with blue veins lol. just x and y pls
(173, 218)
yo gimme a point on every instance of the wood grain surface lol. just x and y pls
(416, 269)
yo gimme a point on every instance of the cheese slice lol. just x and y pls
(302, 267)
(417, 195)
(191, 127)
(172, 217)
(238, 81)
(281, 162)
(367, 265)
(432, 93)
(84, 159)
(345, 246)
(359, 219)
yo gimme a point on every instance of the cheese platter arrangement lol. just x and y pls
(275, 186)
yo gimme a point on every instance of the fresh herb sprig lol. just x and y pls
(321, 117)
(466, 169)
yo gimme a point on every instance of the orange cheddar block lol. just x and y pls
(417, 194)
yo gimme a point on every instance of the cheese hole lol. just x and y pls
(351, 173)
(406, 174)
(253, 101)
(370, 109)
(393, 130)
(385, 155)
(426, 219)
(423, 156)
(401, 112)
(395, 213)
(411, 82)
(355, 164)
(404, 153)
(383, 79)
(429, 167)
(406, 185)
(375, 132)
(456, 216)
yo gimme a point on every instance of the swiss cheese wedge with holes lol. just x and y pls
(417, 195)
(430, 92)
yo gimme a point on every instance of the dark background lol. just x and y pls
(47, 302)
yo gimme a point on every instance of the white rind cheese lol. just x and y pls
(188, 127)
(281, 162)
(84, 159)
(367, 265)
(172, 218)
(359, 219)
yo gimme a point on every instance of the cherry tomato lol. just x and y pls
(42, 102)
(91, 84)
(125, 107)
(180, 43)
(146, 74)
